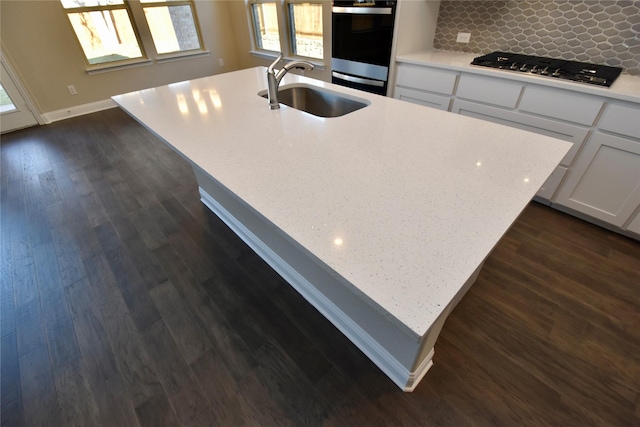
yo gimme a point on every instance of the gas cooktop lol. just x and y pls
(582, 72)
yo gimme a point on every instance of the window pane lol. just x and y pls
(5, 101)
(265, 25)
(306, 29)
(173, 28)
(68, 4)
(106, 36)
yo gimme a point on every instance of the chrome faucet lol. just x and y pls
(274, 77)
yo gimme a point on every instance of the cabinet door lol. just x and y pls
(622, 119)
(488, 90)
(561, 104)
(426, 78)
(605, 180)
(423, 98)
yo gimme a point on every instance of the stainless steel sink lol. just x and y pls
(317, 101)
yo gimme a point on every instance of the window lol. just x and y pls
(293, 27)
(6, 104)
(305, 23)
(172, 24)
(108, 34)
(265, 26)
(104, 30)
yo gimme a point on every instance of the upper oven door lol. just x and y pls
(363, 32)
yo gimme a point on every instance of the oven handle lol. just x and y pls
(363, 10)
(359, 80)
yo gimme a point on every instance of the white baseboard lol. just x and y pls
(78, 110)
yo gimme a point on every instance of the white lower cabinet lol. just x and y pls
(557, 113)
(489, 90)
(426, 86)
(599, 176)
(441, 102)
(604, 182)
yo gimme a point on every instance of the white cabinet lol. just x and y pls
(599, 176)
(622, 119)
(431, 87)
(553, 112)
(561, 105)
(489, 90)
(423, 98)
(604, 183)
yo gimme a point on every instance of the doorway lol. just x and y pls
(14, 112)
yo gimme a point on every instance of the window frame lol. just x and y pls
(285, 29)
(142, 31)
(255, 44)
(101, 8)
(196, 24)
(290, 18)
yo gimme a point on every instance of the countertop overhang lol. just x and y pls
(404, 202)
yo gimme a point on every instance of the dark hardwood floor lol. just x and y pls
(125, 302)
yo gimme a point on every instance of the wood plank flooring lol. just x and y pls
(125, 302)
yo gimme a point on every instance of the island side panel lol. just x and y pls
(392, 346)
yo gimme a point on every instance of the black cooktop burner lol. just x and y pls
(583, 72)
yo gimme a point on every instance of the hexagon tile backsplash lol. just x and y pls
(600, 32)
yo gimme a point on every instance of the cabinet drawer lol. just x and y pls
(565, 131)
(423, 98)
(560, 104)
(621, 119)
(425, 78)
(487, 90)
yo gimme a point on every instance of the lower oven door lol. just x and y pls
(359, 75)
(362, 83)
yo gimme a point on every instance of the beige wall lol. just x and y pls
(39, 43)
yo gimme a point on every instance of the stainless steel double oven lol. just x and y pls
(361, 43)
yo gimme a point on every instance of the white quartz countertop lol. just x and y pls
(625, 87)
(403, 201)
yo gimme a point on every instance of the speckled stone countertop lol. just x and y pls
(625, 87)
(403, 201)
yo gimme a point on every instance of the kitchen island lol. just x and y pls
(380, 218)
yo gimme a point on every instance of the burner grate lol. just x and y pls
(582, 72)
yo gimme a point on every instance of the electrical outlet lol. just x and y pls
(463, 37)
(221, 62)
(72, 90)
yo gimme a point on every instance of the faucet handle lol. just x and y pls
(271, 69)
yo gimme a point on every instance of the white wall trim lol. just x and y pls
(78, 110)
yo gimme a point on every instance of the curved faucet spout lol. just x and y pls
(304, 65)
(275, 76)
(272, 67)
